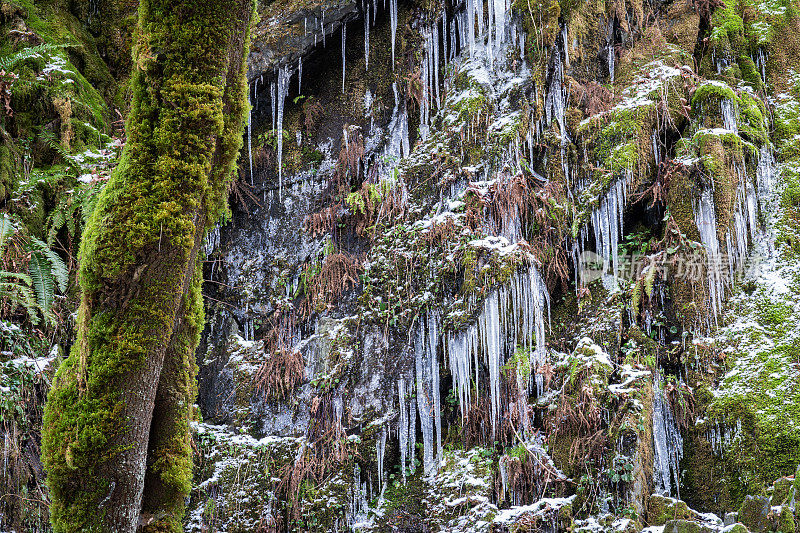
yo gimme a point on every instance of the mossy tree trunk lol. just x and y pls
(141, 311)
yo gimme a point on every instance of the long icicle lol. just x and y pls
(344, 40)
(366, 36)
(282, 90)
(393, 20)
(250, 132)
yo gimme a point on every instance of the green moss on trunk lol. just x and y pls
(139, 257)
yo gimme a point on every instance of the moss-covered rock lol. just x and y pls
(786, 521)
(754, 513)
(781, 491)
(661, 509)
(685, 526)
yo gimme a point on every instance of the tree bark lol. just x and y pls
(140, 312)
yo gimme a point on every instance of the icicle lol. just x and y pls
(428, 400)
(366, 38)
(453, 33)
(282, 91)
(471, 25)
(436, 62)
(668, 445)
(761, 61)
(445, 36)
(489, 48)
(424, 404)
(489, 323)
(338, 410)
(255, 90)
(706, 220)
(380, 445)
(432, 344)
(397, 144)
(274, 101)
(554, 98)
(607, 224)
(499, 24)
(402, 428)
(323, 28)
(612, 59)
(728, 112)
(250, 133)
(656, 152)
(344, 66)
(412, 428)
(765, 172)
(300, 75)
(393, 21)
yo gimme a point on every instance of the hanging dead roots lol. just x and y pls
(591, 97)
(284, 369)
(348, 166)
(242, 193)
(325, 452)
(478, 423)
(323, 221)
(579, 417)
(338, 272)
(524, 476)
(682, 402)
(312, 112)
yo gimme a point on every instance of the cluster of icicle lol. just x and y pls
(279, 89)
(512, 315)
(667, 444)
(722, 436)
(496, 29)
(742, 231)
(607, 226)
(360, 495)
(278, 92)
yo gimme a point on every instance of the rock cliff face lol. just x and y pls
(503, 266)
(490, 266)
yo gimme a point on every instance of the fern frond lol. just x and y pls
(24, 278)
(58, 269)
(89, 201)
(42, 276)
(54, 143)
(649, 281)
(55, 222)
(9, 61)
(19, 295)
(63, 216)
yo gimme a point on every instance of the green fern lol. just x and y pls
(63, 216)
(54, 143)
(70, 206)
(649, 281)
(42, 276)
(26, 53)
(34, 291)
(89, 201)
(58, 269)
(16, 289)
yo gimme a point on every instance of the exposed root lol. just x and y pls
(339, 272)
(323, 221)
(283, 371)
